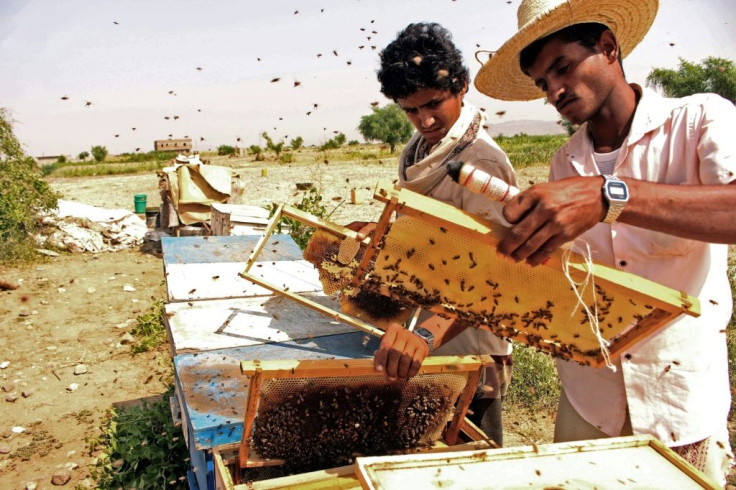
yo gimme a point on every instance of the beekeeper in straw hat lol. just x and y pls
(646, 182)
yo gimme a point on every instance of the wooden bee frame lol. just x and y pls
(345, 372)
(650, 305)
(640, 308)
(305, 218)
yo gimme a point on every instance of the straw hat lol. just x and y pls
(501, 77)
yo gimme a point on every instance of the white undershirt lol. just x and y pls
(606, 162)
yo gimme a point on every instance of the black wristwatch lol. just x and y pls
(426, 336)
(616, 193)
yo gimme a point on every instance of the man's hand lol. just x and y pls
(547, 215)
(364, 228)
(401, 353)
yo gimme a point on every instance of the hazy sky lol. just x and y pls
(126, 56)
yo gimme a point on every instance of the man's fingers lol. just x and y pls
(392, 363)
(516, 208)
(405, 364)
(380, 357)
(400, 354)
(366, 230)
(538, 242)
(544, 252)
(356, 225)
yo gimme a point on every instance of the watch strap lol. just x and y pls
(615, 207)
(426, 336)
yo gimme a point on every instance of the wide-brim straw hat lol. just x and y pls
(501, 76)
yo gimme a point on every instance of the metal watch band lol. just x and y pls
(615, 206)
(426, 336)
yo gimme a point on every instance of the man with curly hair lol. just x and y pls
(423, 72)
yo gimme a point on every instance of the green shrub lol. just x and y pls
(24, 196)
(150, 330)
(151, 156)
(329, 145)
(287, 157)
(61, 159)
(225, 150)
(311, 202)
(534, 384)
(525, 150)
(48, 169)
(99, 153)
(141, 448)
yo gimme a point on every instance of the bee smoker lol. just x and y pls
(480, 182)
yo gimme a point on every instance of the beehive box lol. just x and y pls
(309, 415)
(238, 219)
(620, 462)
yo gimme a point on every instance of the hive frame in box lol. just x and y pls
(657, 304)
(259, 371)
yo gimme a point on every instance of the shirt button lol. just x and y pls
(622, 263)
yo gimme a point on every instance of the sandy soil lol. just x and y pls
(73, 310)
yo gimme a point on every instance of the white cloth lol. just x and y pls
(428, 175)
(675, 382)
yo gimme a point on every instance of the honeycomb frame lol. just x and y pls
(353, 372)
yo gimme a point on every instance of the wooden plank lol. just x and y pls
(370, 252)
(317, 222)
(476, 434)
(251, 408)
(222, 324)
(602, 463)
(704, 480)
(341, 478)
(223, 477)
(644, 328)
(262, 241)
(355, 367)
(461, 407)
(325, 310)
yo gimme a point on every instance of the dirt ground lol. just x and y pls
(65, 349)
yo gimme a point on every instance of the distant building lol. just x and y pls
(183, 145)
(47, 160)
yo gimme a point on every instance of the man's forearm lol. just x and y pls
(704, 213)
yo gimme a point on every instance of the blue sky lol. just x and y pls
(126, 56)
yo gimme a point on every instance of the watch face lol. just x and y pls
(617, 190)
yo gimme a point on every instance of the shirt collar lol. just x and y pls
(649, 115)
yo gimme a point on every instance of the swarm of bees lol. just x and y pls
(327, 425)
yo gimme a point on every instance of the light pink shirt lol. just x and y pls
(675, 382)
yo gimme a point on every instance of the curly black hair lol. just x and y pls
(422, 56)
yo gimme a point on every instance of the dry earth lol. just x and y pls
(74, 310)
